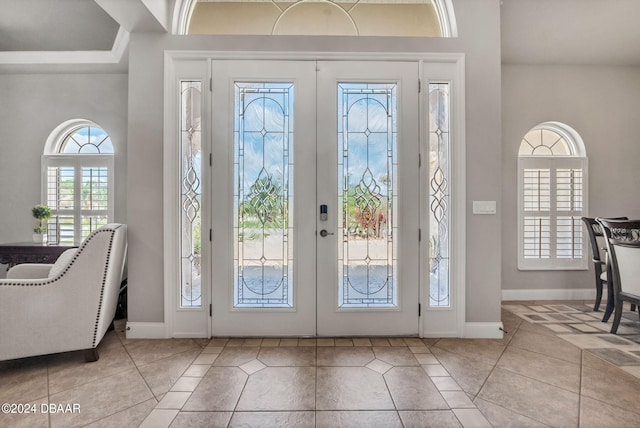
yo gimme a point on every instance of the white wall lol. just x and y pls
(31, 106)
(479, 29)
(602, 104)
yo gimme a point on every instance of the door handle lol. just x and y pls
(324, 233)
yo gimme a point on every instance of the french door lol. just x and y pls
(314, 198)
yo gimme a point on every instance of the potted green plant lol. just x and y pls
(42, 213)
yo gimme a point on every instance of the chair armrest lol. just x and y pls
(29, 271)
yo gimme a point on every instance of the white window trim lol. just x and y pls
(53, 158)
(183, 9)
(58, 136)
(180, 324)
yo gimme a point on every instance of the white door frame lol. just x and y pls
(433, 67)
(299, 319)
(401, 317)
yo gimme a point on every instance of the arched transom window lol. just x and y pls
(552, 168)
(77, 182)
(410, 18)
(87, 140)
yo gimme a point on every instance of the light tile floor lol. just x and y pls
(548, 370)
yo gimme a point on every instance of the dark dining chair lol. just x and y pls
(623, 252)
(598, 249)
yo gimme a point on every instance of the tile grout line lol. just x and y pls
(583, 352)
(452, 409)
(124, 347)
(596, 334)
(580, 385)
(528, 377)
(202, 349)
(495, 365)
(586, 351)
(315, 388)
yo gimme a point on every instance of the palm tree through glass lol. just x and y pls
(263, 195)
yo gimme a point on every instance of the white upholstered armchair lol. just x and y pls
(67, 306)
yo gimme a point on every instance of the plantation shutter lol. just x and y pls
(551, 196)
(78, 191)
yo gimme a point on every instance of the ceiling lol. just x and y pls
(55, 25)
(533, 31)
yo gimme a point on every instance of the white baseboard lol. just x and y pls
(146, 330)
(550, 294)
(439, 334)
(483, 330)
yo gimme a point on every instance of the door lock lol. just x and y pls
(324, 233)
(324, 213)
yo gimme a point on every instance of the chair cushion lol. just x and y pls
(29, 271)
(629, 269)
(62, 262)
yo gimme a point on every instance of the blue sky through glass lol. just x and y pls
(88, 140)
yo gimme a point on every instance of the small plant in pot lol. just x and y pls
(42, 213)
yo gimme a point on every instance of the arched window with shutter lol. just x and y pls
(77, 180)
(552, 197)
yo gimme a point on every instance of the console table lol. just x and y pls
(29, 252)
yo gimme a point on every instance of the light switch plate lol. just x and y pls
(484, 207)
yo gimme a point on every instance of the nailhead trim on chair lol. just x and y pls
(104, 282)
(104, 275)
(61, 274)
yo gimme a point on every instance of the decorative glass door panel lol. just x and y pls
(367, 256)
(263, 198)
(290, 137)
(263, 195)
(367, 167)
(439, 195)
(191, 193)
(310, 201)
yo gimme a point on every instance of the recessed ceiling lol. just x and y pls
(55, 25)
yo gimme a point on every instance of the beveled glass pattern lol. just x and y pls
(263, 195)
(439, 194)
(367, 195)
(191, 193)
